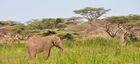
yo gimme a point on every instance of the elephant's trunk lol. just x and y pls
(61, 49)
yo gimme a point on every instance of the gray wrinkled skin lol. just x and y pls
(38, 44)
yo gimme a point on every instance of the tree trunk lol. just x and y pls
(92, 22)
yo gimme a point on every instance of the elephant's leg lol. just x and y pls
(33, 53)
(29, 53)
(47, 52)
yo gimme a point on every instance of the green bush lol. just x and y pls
(48, 33)
(22, 29)
(61, 25)
(26, 32)
(18, 28)
(9, 23)
(47, 23)
(130, 20)
(68, 35)
(43, 24)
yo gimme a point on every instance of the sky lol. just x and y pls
(25, 10)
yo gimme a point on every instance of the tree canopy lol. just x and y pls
(92, 14)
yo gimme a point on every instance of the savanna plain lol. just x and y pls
(90, 51)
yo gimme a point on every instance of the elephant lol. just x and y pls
(37, 44)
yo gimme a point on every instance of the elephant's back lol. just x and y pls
(33, 42)
(39, 42)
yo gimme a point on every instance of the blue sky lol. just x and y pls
(25, 10)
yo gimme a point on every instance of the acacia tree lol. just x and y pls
(91, 14)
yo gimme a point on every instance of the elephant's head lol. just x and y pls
(57, 42)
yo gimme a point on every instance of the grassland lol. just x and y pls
(91, 51)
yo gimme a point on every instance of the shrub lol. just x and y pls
(47, 23)
(26, 32)
(18, 28)
(48, 33)
(61, 25)
(66, 36)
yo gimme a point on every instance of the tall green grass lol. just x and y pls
(90, 51)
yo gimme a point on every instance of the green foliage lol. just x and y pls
(47, 23)
(130, 20)
(91, 13)
(61, 25)
(134, 22)
(9, 23)
(64, 35)
(48, 33)
(117, 19)
(43, 24)
(67, 35)
(22, 29)
(5, 23)
(59, 20)
(71, 23)
(74, 19)
(18, 28)
(26, 32)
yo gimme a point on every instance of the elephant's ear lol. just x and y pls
(55, 40)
